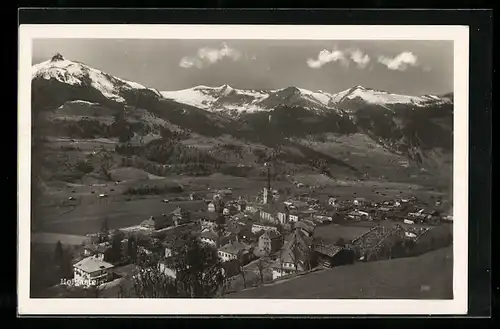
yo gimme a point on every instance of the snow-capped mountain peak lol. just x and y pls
(78, 74)
(362, 94)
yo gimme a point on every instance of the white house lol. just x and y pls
(285, 265)
(211, 207)
(293, 218)
(209, 237)
(91, 271)
(231, 251)
(166, 268)
(359, 202)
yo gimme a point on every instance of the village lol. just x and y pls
(268, 237)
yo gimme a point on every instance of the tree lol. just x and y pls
(198, 272)
(66, 266)
(260, 269)
(295, 252)
(58, 252)
(198, 268)
(132, 248)
(116, 247)
(241, 270)
(104, 227)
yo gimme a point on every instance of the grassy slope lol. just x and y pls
(429, 276)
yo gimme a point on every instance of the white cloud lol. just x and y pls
(208, 56)
(360, 58)
(401, 62)
(187, 62)
(326, 56)
(344, 57)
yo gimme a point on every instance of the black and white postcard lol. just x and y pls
(232, 169)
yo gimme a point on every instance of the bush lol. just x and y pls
(84, 167)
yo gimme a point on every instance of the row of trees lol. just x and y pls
(197, 267)
(167, 152)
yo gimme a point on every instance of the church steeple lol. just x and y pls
(267, 189)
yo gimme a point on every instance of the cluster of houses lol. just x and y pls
(242, 231)
(360, 209)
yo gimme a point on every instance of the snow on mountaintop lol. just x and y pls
(75, 73)
(379, 97)
(224, 98)
(319, 96)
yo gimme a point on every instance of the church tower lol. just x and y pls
(267, 189)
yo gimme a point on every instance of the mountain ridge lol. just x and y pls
(414, 126)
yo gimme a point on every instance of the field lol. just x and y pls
(53, 238)
(56, 213)
(88, 218)
(429, 276)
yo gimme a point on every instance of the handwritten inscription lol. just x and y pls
(78, 282)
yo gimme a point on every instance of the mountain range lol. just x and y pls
(341, 134)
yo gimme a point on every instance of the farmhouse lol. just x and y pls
(207, 220)
(235, 250)
(285, 265)
(96, 250)
(329, 255)
(332, 202)
(159, 222)
(181, 216)
(91, 271)
(270, 241)
(211, 207)
(209, 237)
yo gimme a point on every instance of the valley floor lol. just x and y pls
(85, 214)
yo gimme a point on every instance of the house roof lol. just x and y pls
(305, 226)
(234, 247)
(328, 250)
(180, 211)
(271, 234)
(209, 235)
(268, 208)
(299, 204)
(92, 264)
(286, 256)
(264, 225)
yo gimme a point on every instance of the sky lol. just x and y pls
(404, 67)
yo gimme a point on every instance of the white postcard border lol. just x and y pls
(460, 36)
